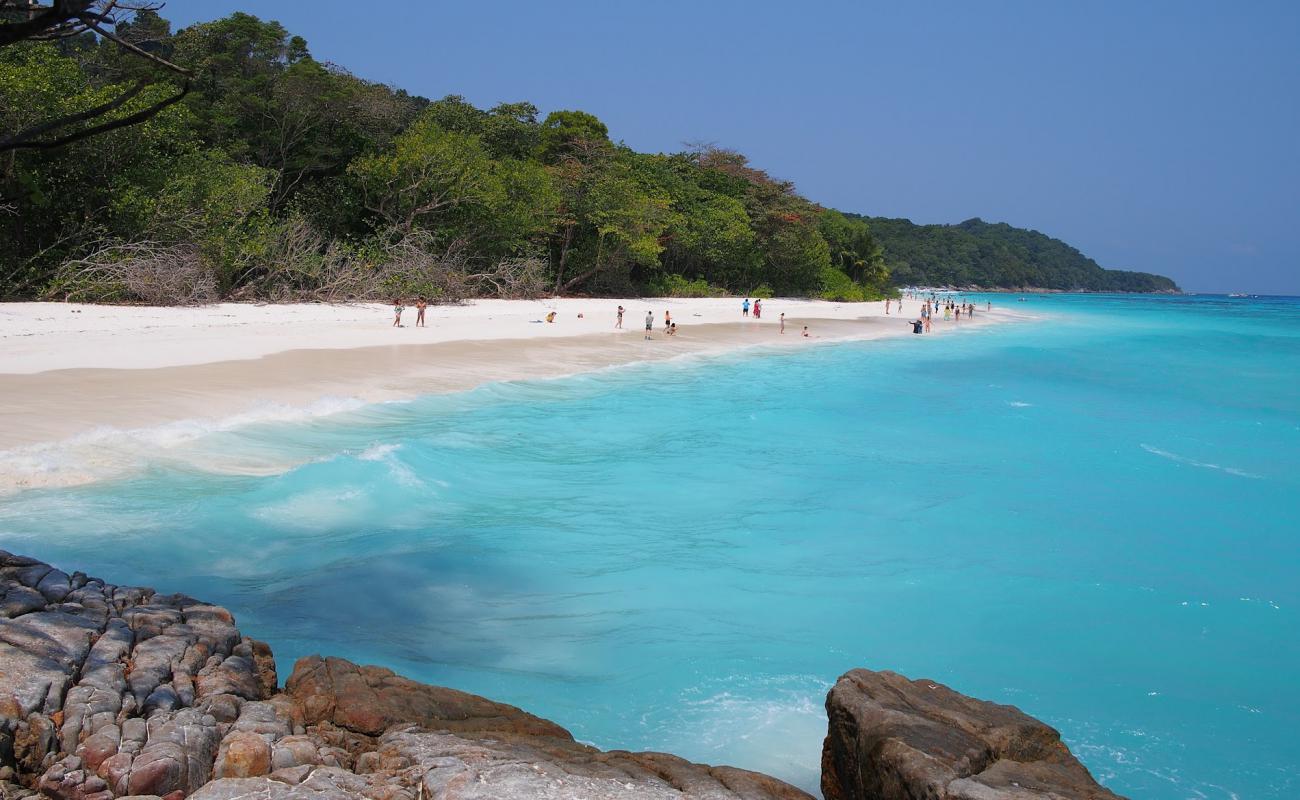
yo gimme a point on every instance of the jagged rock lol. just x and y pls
(890, 738)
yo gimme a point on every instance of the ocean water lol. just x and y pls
(1094, 516)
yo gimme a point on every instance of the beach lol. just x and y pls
(95, 373)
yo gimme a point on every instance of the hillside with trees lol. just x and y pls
(997, 256)
(251, 170)
(224, 162)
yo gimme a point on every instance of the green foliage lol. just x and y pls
(837, 285)
(677, 286)
(977, 253)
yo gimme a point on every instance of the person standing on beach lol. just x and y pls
(744, 308)
(420, 306)
(668, 320)
(619, 323)
(758, 309)
(782, 322)
(886, 305)
(649, 323)
(397, 313)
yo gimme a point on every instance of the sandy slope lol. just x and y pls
(108, 375)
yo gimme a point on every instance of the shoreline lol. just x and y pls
(61, 426)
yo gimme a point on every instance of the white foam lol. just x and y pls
(108, 452)
(1241, 473)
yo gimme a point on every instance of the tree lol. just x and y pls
(22, 21)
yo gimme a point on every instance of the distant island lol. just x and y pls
(995, 255)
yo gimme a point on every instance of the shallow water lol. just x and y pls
(1092, 517)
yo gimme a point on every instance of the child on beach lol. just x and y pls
(805, 331)
(397, 313)
(619, 323)
(420, 306)
(550, 317)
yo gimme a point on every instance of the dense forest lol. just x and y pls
(277, 176)
(989, 255)
(250, 170)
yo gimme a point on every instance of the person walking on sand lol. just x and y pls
(782, 322)
(887, 306)
(668, 320)
(758, 309)
(927, 323)
(397, 313)
(420, 306)
(619, 323)
(744, 308)
(649, 323)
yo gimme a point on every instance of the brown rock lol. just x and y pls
(370, 700)
(890, 738)
(243, 755)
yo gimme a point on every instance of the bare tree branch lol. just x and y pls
(26, 139)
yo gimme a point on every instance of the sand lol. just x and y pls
(78, 379)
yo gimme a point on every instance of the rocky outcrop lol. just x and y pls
(113, 692)
(890, 738)
(110, 692)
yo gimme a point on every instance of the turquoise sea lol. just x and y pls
(1094, 516)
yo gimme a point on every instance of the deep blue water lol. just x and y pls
(1093, 517)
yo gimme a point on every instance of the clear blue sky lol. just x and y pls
(1159, 136)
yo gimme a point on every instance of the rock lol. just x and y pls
(890, 738)
(233, 675)
(243, 755)
(369, 700)
(115, 692)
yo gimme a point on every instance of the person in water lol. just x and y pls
(420, 306)
(805, 331)
(744, 308)
(619, 322)
(917, 326)
(649, 323)
(397, 313)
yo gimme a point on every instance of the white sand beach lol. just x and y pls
(86, 377)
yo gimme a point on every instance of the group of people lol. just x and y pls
(952, 310)
(670, 327)
(421, 305)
